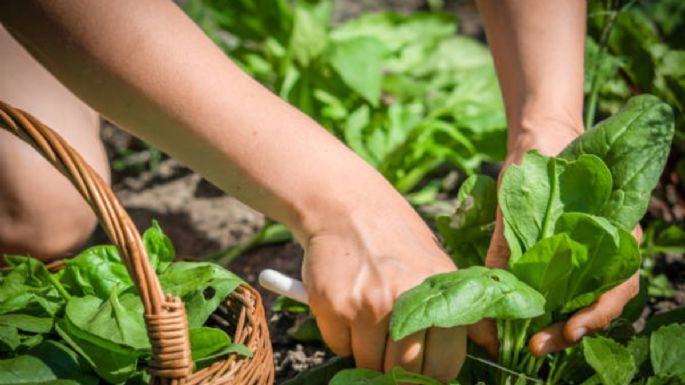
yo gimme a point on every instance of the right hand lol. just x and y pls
(354, 270)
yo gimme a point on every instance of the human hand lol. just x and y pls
(587, 321)
(353, 271)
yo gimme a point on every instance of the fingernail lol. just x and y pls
(578, 334)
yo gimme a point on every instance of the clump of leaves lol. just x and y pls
(404, 92)
(85, 322)
(567, 221)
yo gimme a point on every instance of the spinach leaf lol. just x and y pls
(358, 61)
(464, 297)
(239, 349)
(282, 303)
(159, 248)
(96, 271)
(305, 329)
(667, 349)
(665, 318)
(466, 233)
(116, 323)
(634, 143)
(535, 194)
(547, 267)
(322, 374)
(611, 257)
(309, 38)
(114, 366)
(45, 364)
(9, 339)
(639, 350)
(205, 341)
(395, 376)
(29, 288)
(27, 323)
(613, 363)
(201, 285)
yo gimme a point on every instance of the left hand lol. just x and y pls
(587, 321)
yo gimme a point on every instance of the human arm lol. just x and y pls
(146, 66)
(538, 49)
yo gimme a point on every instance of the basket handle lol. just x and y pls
(165, 316)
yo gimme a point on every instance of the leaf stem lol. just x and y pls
(60, 289)
(595, 80)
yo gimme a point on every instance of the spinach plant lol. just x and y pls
(567, 223)
(84, 323)
(406, 93)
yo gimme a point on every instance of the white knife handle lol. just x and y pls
(280, 283)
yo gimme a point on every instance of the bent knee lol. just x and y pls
(46, 227)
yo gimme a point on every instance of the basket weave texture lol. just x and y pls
(241, 314)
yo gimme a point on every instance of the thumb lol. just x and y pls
(484, 334)
(498, 251)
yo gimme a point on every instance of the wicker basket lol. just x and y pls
(241, 315)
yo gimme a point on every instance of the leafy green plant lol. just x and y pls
(85, 321)
(404, 92)
(567, 222)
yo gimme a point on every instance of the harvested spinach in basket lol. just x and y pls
(84, 323)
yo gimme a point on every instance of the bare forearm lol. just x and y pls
(146, 66)
(538, 47)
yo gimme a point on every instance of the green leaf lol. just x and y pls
(115, 323)
(353, 131)
(667, 349)
(309, 37)
(665, 318)
(205, 341)
(358, 62)
(535, 194)
(287, 304)
(306, 330)
(27, 323)
(159, 248)
(467, 232)
(633, 310)
(46, 364)
(358, 377)
(395, 376)
(464, 297)
(96, 271)
(322, 374)
(611, 257)
(547, 266)
(634, 144)
(114, 366)
(238, 349)
(201, 285)
(671, 239)
(28, 287)
(612, 362)
(9, 339)
(639, 349)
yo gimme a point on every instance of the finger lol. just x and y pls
(637, 233)
(445, 351)
(484, 334)
(498, 251)
(368, 343)
(336, 334)
(407, 352)
(549, 340)
(605, 309)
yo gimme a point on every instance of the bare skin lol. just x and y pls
(184, 96)
(43, 215)
(538, 47)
